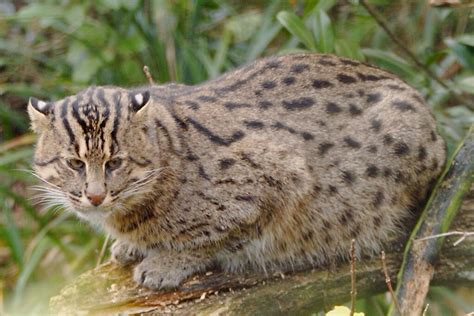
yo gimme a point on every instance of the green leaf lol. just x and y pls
(466, 39)
(391, 62)
(242, 26)
(322, 31)
(266, 32)
(345, 48)
(15, 156)
(44, 13)
(29, 268)
(467, 84)
(296, 27)
(11, 234)
(465, 54)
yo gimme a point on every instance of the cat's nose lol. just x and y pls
(96, 199)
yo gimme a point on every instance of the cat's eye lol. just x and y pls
(76, 164)
(113, 164)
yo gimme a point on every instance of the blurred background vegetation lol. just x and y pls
(53, 48)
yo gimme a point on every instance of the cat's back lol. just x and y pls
(327, 103)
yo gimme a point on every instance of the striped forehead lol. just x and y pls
(91, 120)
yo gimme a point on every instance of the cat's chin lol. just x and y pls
(94, 215)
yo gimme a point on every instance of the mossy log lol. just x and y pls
(110, 289)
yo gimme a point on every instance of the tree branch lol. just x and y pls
(421, 252)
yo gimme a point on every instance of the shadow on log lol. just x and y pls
(110, 289)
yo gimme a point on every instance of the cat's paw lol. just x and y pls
(166, 270)
(124, 254)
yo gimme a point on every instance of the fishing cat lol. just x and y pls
(278, 163)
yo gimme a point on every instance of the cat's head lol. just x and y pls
(92, 152)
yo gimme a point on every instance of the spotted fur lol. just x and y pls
(276, 164)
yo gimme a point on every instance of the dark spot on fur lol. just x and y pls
(422, 153)
(401, 149)
(378, 199)
(245, 157)
(226, 163)
(316, 189)
(234, 105)
(365, 77)
(326, 62)
(308, 235)
(289, 80)
(373, 97)
(274, 64)
(373, 149)
(434, 164)
(265, 104)
(324, 147)
(354, 110)
(202, 173)
(375, 125)
(346, 79)
(400, 177)
(268, 84)
(307, 136)
(387, 172)
(245, 197)
(433, 136)
(346, 217)
(351, 142)
(281, 126)
(403, 105)
(395, 87)
(348, 177)
(193, 105)
(332, 108)
(207, 98)
(372, 171)
(299, 68)
(350, 62)
(258, 93)
(254, 124)
(387, 139)
(332, 189)
(377, 220)
(298, 104)
(321, 84)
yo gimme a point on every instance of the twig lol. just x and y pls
(380, 21)
(389, 284)
(425, 310)
(102, 250)
(148, 75)
(457, 242)
(353, 278)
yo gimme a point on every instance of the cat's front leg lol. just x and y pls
(168, 269)
(124, 253)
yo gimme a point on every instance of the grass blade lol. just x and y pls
(296, 27)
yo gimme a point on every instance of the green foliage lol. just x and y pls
(53, 48)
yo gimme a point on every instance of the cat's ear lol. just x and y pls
(39, 112)
(140, 100)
